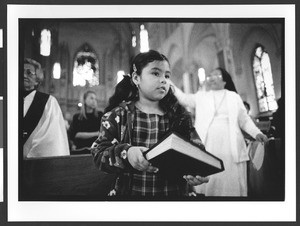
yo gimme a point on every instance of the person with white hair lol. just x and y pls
(44, 132)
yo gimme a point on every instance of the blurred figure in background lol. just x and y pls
(84, 128)
(68, 119)
(277, 123)
(247, 137)
(44, 132)
(219, 120)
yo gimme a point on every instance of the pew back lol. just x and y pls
(73, 177)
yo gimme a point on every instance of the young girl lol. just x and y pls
(142, 110)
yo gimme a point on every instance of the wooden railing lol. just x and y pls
(75, 177)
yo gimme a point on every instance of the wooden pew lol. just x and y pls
(76, 178)
(73, 177)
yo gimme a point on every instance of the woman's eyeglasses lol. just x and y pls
(29, 73)
(213, 77)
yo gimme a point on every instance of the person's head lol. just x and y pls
(89, 103)
(150, 73)
(33, 74)
(220, 79)
(148, 77)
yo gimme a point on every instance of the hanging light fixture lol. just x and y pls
(201, 75)
(133, 39)
(56, 70)
(45, 45)
(144, 39)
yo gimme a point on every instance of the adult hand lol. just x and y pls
(137, 160)
(171, 83)
(197, 180)
(261, 138)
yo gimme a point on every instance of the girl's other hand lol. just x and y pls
(197, 180)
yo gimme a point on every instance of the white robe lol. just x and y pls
(238, 120)
(49, 138)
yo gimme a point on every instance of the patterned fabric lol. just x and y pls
(127, 126)
(148, 128)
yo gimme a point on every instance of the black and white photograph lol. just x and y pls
(147, 108)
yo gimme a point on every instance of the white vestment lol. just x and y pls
(49, 138)
(221, 132)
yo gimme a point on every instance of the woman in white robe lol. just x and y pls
(220, 115)
(49, 137)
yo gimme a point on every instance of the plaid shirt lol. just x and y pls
(127, 126)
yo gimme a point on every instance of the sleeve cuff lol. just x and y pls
(124, 150)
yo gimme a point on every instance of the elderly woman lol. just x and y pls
(44, 132)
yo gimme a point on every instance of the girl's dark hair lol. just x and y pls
(227, 78)
(180, 118)
(127, 91)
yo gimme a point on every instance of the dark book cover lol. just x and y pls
(174, 164)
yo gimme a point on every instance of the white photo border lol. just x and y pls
(150, 211)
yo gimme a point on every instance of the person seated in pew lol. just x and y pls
(44, 132)
(84, 128)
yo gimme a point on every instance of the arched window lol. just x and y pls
(86, 68)
(263, 80)
(45, 46)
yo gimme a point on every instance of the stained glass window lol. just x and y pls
(86, 69)
(263, 80)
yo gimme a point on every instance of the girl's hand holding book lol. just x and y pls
(137, 160)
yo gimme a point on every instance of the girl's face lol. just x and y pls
(215, 80)
(91, 100)
(153, 82)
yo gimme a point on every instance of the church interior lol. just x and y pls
(94, 54)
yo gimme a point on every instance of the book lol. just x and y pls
(176, 156)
